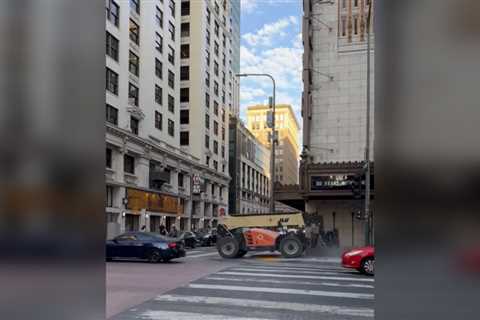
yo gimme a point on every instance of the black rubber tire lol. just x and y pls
(368, 266)
(228, 248)
(291, 247)
(154, 256)
(241, 253)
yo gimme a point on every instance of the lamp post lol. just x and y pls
(367, 146)
(272, 138)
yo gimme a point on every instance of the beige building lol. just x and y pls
(287, 151)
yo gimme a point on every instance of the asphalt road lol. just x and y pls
(205, 287)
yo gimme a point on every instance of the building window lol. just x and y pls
(207, 143)
(207, 100)
(185, 8)
(223, 78)
(355, 3)
(134, 124)
(133, 94)
(158, 120)
(134, 32)
(171, 128)
(113, 12)
(129, 164)
(158, 68)
(215, 166)
(171, 103)
(207, 37)
(159, 17)
(207, 161)
(207, 79)
(184, 73)
(171, 55)
(207, 57)
(158, 95)
(215, 88)
(344, 26)
(111, 114)
(184, 116)
(215, 48)
(215, 68)
(109, 198)
(344, 4)
(223, 114)
(112, 81)
(217, 8)
(180, 179)
(215, 128)
(134, 64)
(224, 59)
(223, 151)
(184, 138)
(158, 42)
(207, 121)
(223, 133)
(171, 5)
(355, 25)
(185, 30)
(185, 51)
(208, 16)
(171, 30)
(224, 41)
(135, 5)
(215, 107)
(184, 94)
(112, 47)
(223, 96)
(171, 79)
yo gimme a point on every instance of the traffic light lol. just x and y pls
(357, 186)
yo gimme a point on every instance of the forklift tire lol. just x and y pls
(291, 247)
(241, 253)
(228, 247)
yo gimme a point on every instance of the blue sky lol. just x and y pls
(271, 43)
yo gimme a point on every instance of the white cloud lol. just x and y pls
(249, 93)
(268, 32)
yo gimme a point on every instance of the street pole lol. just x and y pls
(272, 138)
(367, 146)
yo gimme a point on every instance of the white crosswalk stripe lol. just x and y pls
(309, 283)
(284, 271)
(174, 315)
(249, 303)
(296, 276)
(284, 290)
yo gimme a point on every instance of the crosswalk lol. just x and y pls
(257, 290)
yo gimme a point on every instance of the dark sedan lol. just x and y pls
(209, 238)
(146, 246)
(190, 239)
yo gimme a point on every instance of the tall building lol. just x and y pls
(207, 92)
(250, 171)
(334, 114)
(287, 151)
(151, 180)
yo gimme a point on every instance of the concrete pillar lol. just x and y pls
(142, 171)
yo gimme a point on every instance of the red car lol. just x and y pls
(362, 259)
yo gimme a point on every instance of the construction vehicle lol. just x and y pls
(238, 234)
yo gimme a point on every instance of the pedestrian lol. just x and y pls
(315, 234)
(173, 232)
(308, 235)
(163, 230)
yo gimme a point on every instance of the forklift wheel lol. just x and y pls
(228, 247)
(291, 247)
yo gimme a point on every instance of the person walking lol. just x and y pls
(163, 231)
(173, 232)
(315, 234)
(308, 235)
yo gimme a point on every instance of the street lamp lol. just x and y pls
(273, 137)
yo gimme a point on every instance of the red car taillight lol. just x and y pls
(172, 245)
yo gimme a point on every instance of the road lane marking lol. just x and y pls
(265, 304)
(296, 276)
(169, 315)
(309, 283)
(262, 266)
(202, 255)
(284, 291)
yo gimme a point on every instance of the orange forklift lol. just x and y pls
(238, 234)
